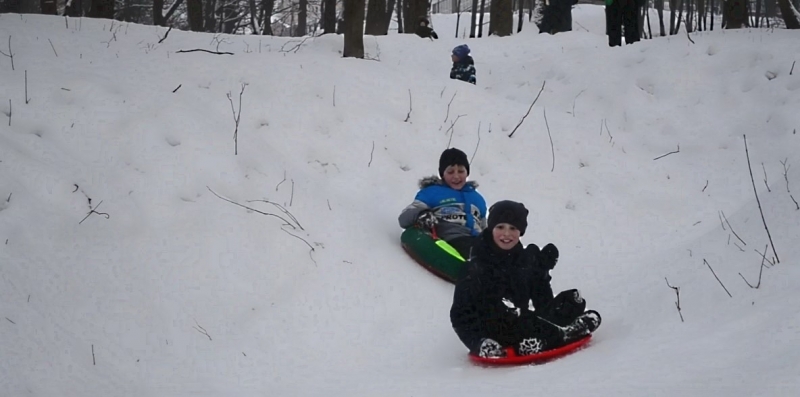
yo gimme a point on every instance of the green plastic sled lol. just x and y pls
(435, 255)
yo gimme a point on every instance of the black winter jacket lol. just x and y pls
(494, 275)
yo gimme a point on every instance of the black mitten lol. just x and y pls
(549, 256)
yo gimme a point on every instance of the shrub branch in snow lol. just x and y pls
(282, 209)
(760, 270)
(9, 113)
(236, 117)
(10, 54)
(677, 296)
(529, 110)
(201, 330)
(786, 178)
(447, 115)
(765, 178)
(286, 222)
(295, 48)
(451, 129)
(477, 144)
(747, 152)
(731, 227)
(370, 154)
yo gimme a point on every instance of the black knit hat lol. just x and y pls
(450, 157)
(510, 212)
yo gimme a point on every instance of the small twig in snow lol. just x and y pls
(279, 183)
(93, 211)
(291, 196)
(201, 330)
(53, 47)
(792, 69)
(177, 88)
(678, 297)
(94, 362)
(715, 276)
(210, 52)
(575, 99)
(747, 152)
(529, 110)
(9, 320)
(408, 116)
(236, 117)
(370, 154)
(704, 187)
(765, 178)
(451, 129)
(665, 155)
(552, 148)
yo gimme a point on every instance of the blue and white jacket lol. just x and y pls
(460, 212)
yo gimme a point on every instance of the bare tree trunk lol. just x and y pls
(458, 15)
(480, 22)
(659, 4)
(102, 9)
(673, 5)
(790, 15)
(680, 17)
(521, 11)
(473, 17)
(701, 12)
(158, 12)
(735, 14)
(302, 19)
(689, 15)
(400, 12)
(353, 29)
(210, 21)
(12, 7)
(194, 9)
(328, 16)
(49, 7)
(501, 22)
(375, 16)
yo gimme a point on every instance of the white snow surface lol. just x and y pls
(176, 292)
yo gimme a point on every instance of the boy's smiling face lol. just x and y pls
(455, 176)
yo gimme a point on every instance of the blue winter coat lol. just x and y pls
(460, 212)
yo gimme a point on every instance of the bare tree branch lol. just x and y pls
(477, 145)
(529, 110)
(165, 35)
(765, 178)
(236, 117)
(93, 211)
(283, 209)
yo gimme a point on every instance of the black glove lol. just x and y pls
(427, 220)
(549, 256)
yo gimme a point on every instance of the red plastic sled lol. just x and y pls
(512, 358)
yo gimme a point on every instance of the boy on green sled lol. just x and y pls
(449, 206)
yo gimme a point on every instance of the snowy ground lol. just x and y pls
(176, 292)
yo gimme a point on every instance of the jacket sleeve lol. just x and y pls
(464, 315)
(408, 217)
(538, 278)
(410, 214)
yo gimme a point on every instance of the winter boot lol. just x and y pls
(530, 346)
